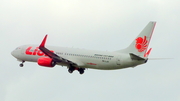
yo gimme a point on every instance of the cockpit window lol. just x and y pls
(17, 48)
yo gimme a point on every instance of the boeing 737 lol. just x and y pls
(79, 59)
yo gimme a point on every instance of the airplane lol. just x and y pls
(80, 59)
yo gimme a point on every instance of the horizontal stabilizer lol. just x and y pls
(159, 58)
(135, 57)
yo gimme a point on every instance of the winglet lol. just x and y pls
(148, 52)
(43, 42)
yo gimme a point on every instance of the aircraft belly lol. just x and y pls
(30, 58)
(102, 65)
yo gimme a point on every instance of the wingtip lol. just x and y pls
(148, 52)
(44, 41)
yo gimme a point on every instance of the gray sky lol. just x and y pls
(106, 25)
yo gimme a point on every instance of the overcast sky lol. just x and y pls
(106, 25)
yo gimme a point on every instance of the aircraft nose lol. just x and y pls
(17, 53)
(13, 53)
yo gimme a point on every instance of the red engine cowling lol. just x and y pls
(47, 62)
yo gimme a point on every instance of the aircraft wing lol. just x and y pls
(52, 55)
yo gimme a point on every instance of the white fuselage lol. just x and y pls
(83, 58)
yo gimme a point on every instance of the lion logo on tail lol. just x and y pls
(141, 44)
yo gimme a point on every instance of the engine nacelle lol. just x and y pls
(46, 62)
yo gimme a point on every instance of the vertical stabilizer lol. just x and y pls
(140, 44)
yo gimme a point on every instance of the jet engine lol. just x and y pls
(46, 62)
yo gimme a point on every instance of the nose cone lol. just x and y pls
(14, 53)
